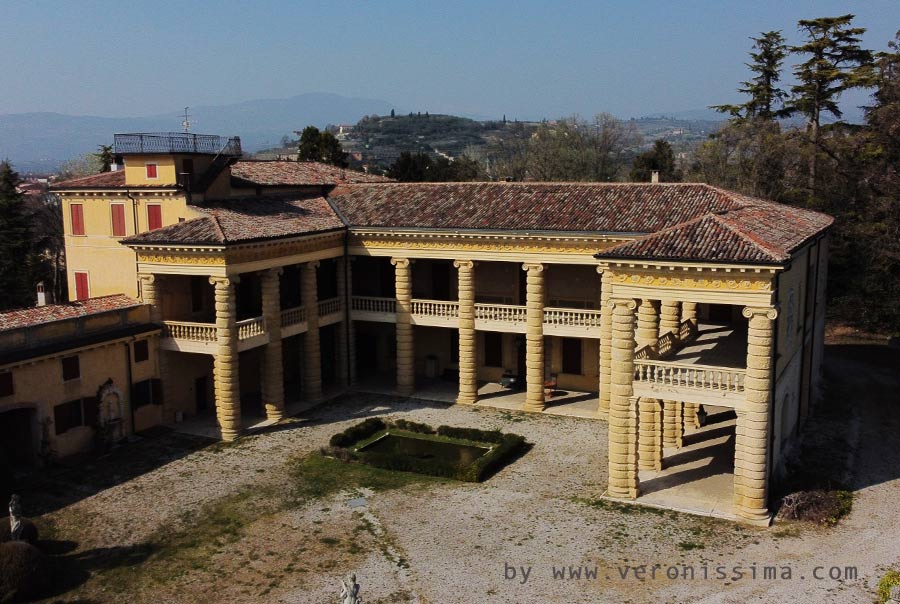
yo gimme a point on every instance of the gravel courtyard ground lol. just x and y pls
(177, 519)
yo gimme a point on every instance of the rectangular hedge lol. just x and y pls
(504, 447)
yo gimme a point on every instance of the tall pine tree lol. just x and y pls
(16, 257)
(762, 88)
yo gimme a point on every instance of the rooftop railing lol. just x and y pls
(176, 142)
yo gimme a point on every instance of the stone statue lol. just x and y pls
(350, 590)
(15, 518)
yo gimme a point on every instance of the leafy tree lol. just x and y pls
(83, 165)
(322, 147)
(762, 88)
(16, 257)
(836, 62)
(420, 167)
(105, 157)
(660, 158)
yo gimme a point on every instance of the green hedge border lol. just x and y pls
(504, 447)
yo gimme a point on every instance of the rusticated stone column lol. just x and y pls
(406, 379)
(312, 355)
(343, 336)
(225, 365)
(751, 461)
(534, 337)
(605, 339)
(468, 385)
(273, 371)
(669, 318)
(650, 427)
(689, 311)
(673, 429)
(150, 295)
(623, 445)
(691, 419)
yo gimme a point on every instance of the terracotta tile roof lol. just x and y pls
(104, 180)
(579, 207)
(294, 173)
(760, 232)
(691, 221)
(27, 317)
(242, 220)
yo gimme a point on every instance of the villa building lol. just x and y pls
(276, 282)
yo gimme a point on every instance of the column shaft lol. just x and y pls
(468, 385)
(534, 337)
(226, 362)
(312, 356)
(605, 340)
(351, 327)
(669, 318)
(623, 453)
(152, 293)
(273, 370)
(406, 380)
(650, 430)
(751, 462)
(673, 429)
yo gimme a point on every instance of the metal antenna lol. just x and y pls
(186, 123)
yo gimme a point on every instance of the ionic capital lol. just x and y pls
(311, 265)
(224, 281)
(148, 278)
(760, 311)
(401, 262)
(469, 264)
(629, 303)
(532, 267)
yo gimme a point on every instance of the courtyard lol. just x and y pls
(177, 517)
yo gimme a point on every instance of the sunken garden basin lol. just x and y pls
(459, 453)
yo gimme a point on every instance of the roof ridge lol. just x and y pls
(722, 219)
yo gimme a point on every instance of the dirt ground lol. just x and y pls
(177, 519)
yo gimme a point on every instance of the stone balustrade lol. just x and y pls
(435, 308)
(330, 306)
(184, 330)
(293, 316)
(250, 328)
(684, 381)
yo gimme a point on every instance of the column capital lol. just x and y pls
(769, 312)
(147, 277)
(276, 271)
(401, 262)
(464, 263)
(225, 281)
(629, 303)
(311, 265)
(532, 266)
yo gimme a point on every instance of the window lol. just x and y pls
(6, 384)
(76, 211)
(152, 171)
(154, 216)
(82, 291)
(80, 412)
(71, 368)
(571, 356)
(187, 166)
(141, 351)
(493, 349)
(117, 211)
(146, 392)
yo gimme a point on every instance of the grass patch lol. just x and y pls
(690, 545)
(350, 446)
(817, 506)
(891, 579)
(623, 508)
(316, 476)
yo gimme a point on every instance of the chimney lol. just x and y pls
(41, 295)
(654, 176)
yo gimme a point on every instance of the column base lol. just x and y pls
(466, 400)
(229, 435)
(531, 407)
(753, 516)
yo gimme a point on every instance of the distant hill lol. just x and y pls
(41, 141)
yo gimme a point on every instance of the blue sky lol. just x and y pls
(524, 59)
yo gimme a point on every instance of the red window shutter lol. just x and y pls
(151, 170)
(77, 211)
(81, 286)
(154, 217)
(118, 220)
